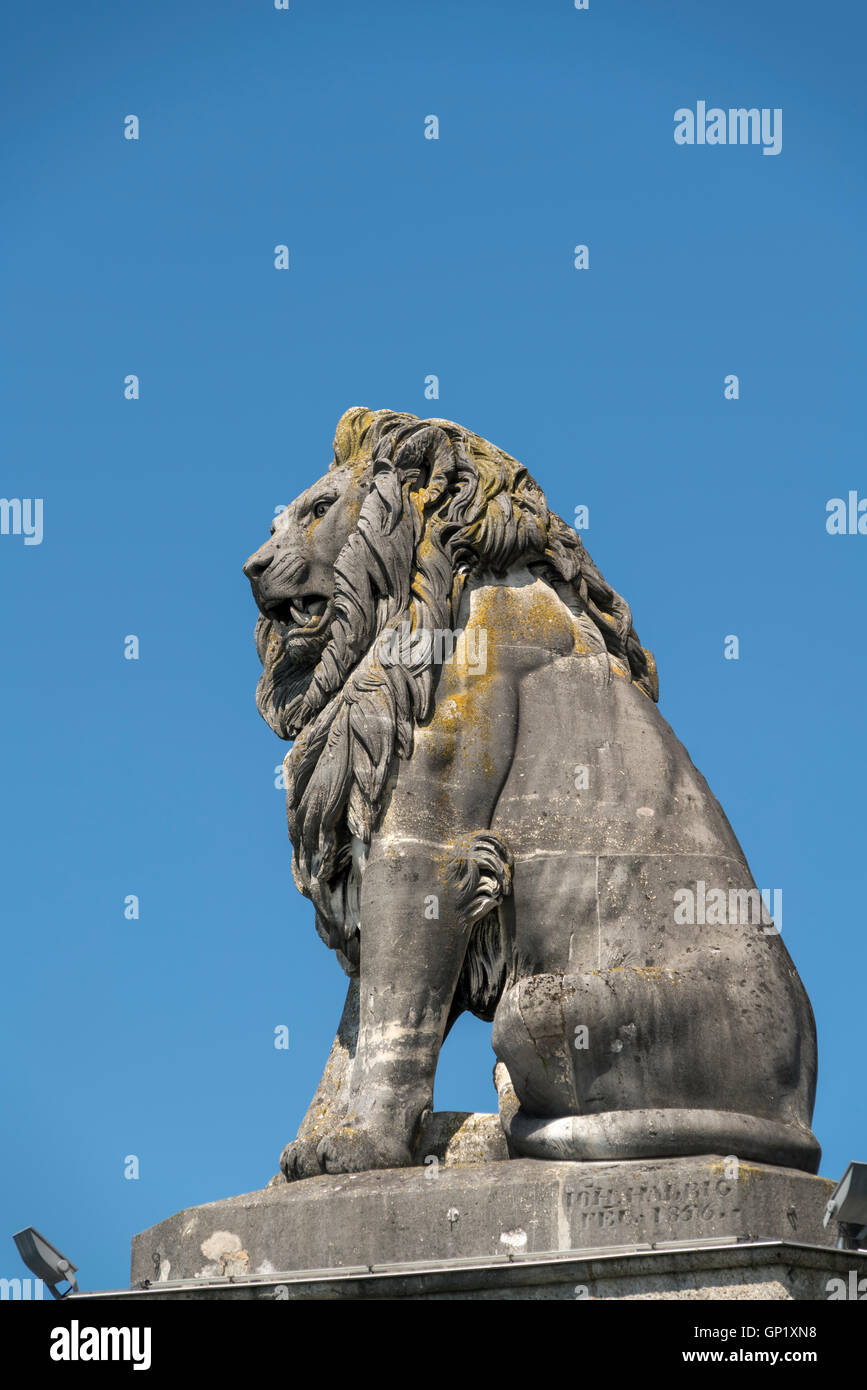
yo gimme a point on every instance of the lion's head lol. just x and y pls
(407, 511)
(293, 577)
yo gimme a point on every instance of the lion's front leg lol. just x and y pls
(416, 912)
(411, 957)
(331, 1101)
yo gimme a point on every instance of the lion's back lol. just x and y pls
(607, 819)
(597, 768)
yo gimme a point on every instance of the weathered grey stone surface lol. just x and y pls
(732, 1272)
(489, 813)
(481, 1210)
(452, 1137)
(458, 1137)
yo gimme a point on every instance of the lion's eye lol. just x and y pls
(322, 507)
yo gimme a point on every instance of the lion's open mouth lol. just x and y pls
(303, 610)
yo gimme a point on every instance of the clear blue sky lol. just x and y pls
(408, 257)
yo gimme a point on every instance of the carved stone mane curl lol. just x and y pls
(443, 504)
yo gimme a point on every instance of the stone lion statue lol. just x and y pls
(489, 814)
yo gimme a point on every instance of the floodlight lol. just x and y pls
(847, 1206)
(45, 1261)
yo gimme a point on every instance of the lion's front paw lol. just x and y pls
(356, 1148)
(298, 1160)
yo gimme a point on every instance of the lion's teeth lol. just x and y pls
(297, 614)
(317, 607)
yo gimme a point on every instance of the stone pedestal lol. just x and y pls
(765, 1271)
(489, 1213)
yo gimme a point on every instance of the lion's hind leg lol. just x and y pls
(645, 1062)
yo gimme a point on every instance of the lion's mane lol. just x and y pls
(443, 504)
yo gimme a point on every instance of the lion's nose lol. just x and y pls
(257, 565)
